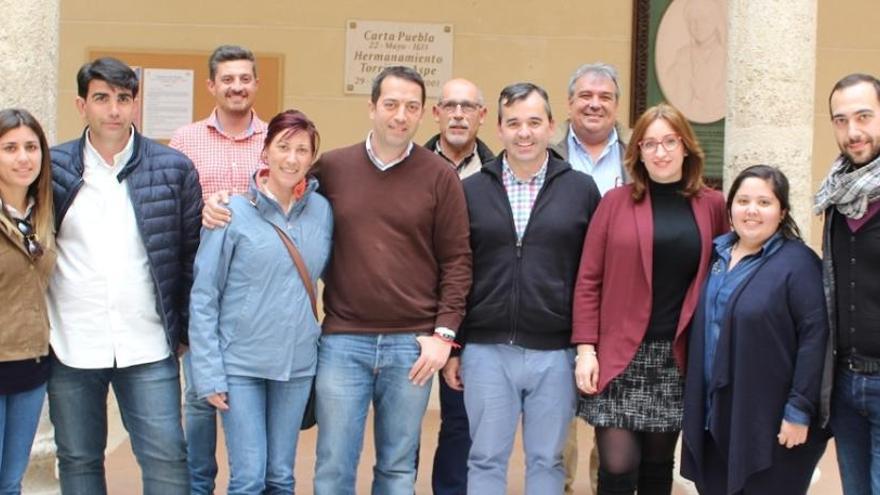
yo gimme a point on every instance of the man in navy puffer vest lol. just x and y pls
(127, 214)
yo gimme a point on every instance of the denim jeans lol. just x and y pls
(19, 416)
(353, 372)
(855, 423)
(449, 476)
(501, 384)
(262, 428)
(149, 401)
(200, 429)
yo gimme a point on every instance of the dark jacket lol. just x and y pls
(483, 150)
(829, 282)
(521, 292)
(770, 352)
(167, 201)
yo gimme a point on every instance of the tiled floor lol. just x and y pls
(124, 476)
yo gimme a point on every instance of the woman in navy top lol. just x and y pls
(756, 350)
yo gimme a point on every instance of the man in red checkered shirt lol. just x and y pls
(225, 148)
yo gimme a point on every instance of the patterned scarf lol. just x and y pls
(849, 190)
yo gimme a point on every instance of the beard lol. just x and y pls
(865, 156)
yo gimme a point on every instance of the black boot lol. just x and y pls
(655, 478)
(617, 484)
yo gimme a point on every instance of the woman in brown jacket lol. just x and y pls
(27, 256)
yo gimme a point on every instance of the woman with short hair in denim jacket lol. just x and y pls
(253, 334)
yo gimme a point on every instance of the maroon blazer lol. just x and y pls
(612, 295)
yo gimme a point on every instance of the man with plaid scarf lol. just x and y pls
(850, 199)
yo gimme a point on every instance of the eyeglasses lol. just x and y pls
(34, 248)
(467, 107)
(670, 143)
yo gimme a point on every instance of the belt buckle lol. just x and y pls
(862, 366)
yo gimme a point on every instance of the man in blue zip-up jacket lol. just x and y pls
(127, 214)
(529, 212)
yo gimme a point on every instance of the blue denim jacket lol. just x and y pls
(250, 314)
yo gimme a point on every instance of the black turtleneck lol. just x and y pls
(676, 257)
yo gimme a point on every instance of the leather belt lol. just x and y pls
(861, 364)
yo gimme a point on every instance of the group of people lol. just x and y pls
(543, 283)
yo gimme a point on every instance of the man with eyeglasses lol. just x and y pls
(459, 113)
(592, 145)
(395, 291)
(127, 213)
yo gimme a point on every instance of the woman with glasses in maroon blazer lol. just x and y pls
(645, 257)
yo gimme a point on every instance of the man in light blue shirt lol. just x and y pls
(591, 144)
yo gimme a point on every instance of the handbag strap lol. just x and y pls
(300, 267)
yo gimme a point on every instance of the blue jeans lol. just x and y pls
(855, 422)
(149, 401)
(354, 371)
(262, 428)
(19, 416)
(449, 476)
(200, 428)
(501, 384)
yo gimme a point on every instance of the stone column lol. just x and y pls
(29, 79)
(771, 73)
(29, 50)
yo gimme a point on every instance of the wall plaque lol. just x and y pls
(371, 46)
(679, 56)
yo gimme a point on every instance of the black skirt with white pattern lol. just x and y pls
(647, 396)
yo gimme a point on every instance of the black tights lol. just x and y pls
(630, 460)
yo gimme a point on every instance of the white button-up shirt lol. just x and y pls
(379, 163)
(102, 299)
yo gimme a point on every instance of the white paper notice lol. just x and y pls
(167, 101)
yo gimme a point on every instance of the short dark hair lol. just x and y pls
(229, 53)
(852, 80)
(779, 183)
(290, 122)
(398, 71)
(520, 91)
(111, 70)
